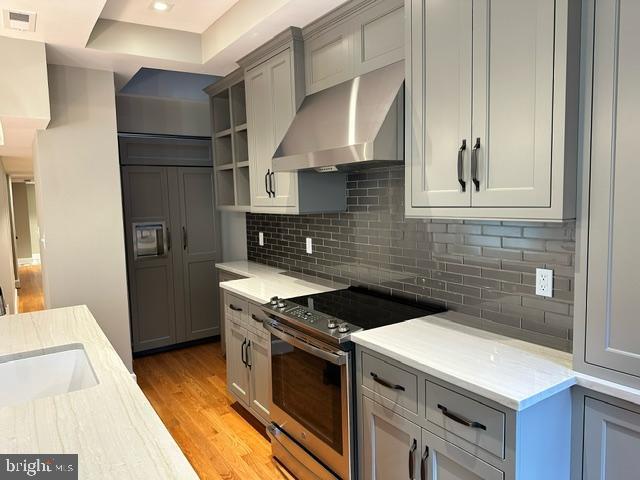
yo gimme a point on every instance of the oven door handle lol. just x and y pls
(337, 358)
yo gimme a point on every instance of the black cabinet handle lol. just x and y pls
(412, 460)
(184, 238)
(168, 240)
(423, 463)
(460, 419)
(474, 164)
(386, 383)
(248, 364)
(253, 316)
(242, 354)
(267, 179)
(461, 150)
(234, 308)
(272, 182)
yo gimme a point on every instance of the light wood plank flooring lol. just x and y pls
(30, 295)
(187, 388)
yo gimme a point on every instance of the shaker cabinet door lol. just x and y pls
(259, 125)
(612, 328)
(611, 442)
(439, 103)
(282, 95)
(237, 371)
(259, 357)
(513, 80)
(441, 460)
(198, 249)
(391, 444)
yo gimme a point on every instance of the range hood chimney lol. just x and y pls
(354, 124)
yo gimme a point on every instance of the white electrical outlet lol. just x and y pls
(261, 239)
(309, 245)
(544, 282)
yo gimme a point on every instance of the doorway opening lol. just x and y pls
(26, 244)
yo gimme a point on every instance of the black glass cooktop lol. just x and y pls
(365, 308)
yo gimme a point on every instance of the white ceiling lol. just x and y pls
(187, 15)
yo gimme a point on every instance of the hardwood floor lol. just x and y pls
(188, 390)
(30, 295)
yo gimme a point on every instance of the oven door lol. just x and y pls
(311, 392)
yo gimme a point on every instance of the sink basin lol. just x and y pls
(30, 375)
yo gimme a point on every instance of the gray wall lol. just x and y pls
(79, 200)
(33, 219)
(481, 268)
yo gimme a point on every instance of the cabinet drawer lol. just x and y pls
(236, 309)
(256, 317)
(468, 419)
(391, 382)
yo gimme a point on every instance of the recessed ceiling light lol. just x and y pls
(161, 6)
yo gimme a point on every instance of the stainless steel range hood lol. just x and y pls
(351, 125)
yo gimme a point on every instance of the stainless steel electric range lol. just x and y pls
(312, 370)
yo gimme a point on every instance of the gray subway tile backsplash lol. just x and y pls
(481, 268)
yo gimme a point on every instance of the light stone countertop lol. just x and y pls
(248, 269)
(261, 288)
(111, 426)
(514, 373)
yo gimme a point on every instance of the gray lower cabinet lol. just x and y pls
(611, 441)
(171, 252)
(248, 356)
(224, 276)
(391, 444)
(418, 427)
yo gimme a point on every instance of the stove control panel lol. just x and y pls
(325, 325)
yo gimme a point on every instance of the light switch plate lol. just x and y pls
(544, 282)
(261, 239)
(309, 246)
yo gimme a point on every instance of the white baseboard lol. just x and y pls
(35, 260)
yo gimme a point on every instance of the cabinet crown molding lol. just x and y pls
(234, 77)
(340, 15)
(263, 52)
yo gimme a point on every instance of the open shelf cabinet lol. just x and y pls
(230, 146)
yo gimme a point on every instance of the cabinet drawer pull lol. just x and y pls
(266, 183)
(234, 308)
(423, 463)
(248, 363)
(474, 164)
(242, 352)
(412, 460)
(386, 383)
(272, 182)
(459, 419)
(461, 150)
(253, 316)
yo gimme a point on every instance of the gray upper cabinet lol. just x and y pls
(611, 442)
(274, 84)
(491, 108)
(356, 38)
(607, 339)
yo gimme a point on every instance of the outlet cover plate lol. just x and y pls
(261, 239)
(309, 246)
(544, 282)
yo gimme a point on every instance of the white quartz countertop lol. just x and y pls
(247, 268)
(514, 373)
(261, 288)
(111, 426)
